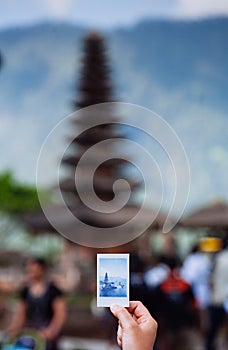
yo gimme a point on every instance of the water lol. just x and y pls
(113, 288)
(113, 292)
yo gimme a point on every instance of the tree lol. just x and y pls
(16, 198)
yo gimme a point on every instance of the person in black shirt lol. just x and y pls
(41, 305)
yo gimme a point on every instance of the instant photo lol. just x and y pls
(112, 279)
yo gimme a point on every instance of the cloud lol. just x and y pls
(59, 8)
(201, 8)
(106, 13)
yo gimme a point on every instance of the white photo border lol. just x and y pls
(108, 301)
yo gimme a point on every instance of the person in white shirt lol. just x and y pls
(196, 271)
(219, 297)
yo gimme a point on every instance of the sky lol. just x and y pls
(105, 13)
(114, 267)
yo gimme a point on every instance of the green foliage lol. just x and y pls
(15, 197)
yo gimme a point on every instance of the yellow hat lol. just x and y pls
(210, 244)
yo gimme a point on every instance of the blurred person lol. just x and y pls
(175, 309)
(155, 275)
(41, 305)
(158, 273)
(137, 329)
(217, 313)
(196, 270)
(67, 275)
(169, 249)
(138, 288)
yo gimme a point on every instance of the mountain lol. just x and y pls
(176, 68)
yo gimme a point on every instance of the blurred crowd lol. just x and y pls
(188, 297)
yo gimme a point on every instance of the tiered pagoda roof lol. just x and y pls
(94, 88)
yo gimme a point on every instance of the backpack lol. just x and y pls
(176, 300)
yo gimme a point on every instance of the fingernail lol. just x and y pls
(115, 307)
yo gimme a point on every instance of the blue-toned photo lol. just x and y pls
(113, 277)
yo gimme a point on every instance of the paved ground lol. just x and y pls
(188, 341)
(85, 344)
(75, 343)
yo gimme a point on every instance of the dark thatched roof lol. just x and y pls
(212, 216)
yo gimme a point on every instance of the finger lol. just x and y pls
(139, 311)
(120, 333)
(119, 342)
(123, 315)
(119, 336)
(142, 315)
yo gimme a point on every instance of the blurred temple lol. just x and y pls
(94, 88)
(214, 215)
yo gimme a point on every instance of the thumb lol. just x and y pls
(123, 315)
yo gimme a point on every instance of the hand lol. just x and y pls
(12, 331)
(46, 334)
(137, 329)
